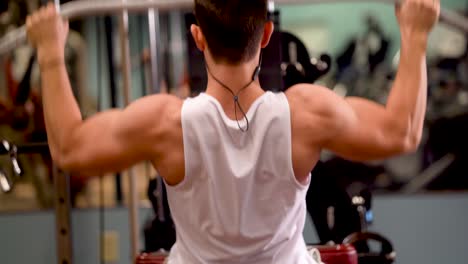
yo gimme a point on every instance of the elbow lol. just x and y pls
(64, 158)
(73, 159)
(410, 143)
(60, 160)
(65, 164)
(406, 137)
(56, 154)
(68, 162)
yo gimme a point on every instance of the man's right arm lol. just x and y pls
(369, 131)
(363, 130)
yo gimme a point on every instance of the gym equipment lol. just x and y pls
(338, 254)
(127, 79)
(6, 185)
(386, 255)
(113, 91)
(339, 198)
(297, 66)
(17, 116)
(445, 156)
(6, 181)
(340, 207)
(439, 168)
(12, 150)
(152, 258)
(62, 193)
(22, 94)
(160, 233)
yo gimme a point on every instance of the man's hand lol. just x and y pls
(417, 18)
(47, 32)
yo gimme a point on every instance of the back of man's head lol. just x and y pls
(233, 29)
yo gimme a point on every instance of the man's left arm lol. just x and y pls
(106, 142)
(109, 141)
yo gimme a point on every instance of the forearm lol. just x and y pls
(61, 111)
(407, 100)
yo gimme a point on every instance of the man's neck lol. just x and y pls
(235, 77)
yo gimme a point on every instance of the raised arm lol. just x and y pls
(109, 141)
(359, 129)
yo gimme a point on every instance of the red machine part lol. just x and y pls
(339, 254)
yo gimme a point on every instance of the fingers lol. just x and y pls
(47, 12)
(46, 26)
(31, 20)
(436, 4)
(433, 6)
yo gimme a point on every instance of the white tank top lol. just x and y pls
(239, 202)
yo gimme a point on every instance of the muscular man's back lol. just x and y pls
(354, 128)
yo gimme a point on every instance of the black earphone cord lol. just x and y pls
(236, 96)
(236, 99)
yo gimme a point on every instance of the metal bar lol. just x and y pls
(125, 57)
(77, 9)
(27, 148)
(113, 92)
(62, 216)
(33, 148)
(154, 34)
(57, 4)
(432, 172)
(127, 78)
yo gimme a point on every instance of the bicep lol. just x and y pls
(365, 130)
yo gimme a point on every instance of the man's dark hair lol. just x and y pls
(233, 29)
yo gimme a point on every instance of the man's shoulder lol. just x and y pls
(315, 109)
(158, 108)
(162, 102)
(310, 97)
